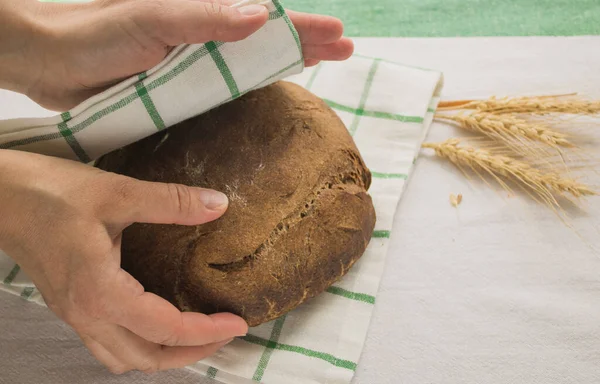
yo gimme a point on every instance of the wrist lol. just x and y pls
(20, 31)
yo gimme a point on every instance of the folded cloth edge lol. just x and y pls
(46, 125)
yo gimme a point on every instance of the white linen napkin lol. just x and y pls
(189, 81)
(388, 109)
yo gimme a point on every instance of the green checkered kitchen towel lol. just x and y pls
(387, 108)
(190, 81)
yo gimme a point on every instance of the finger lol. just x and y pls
(133, 201)
(105, 357)
(338, 51)
(311, 62)
(155, 319)
(133, 352)
(316, 29)
(130, 351)
(175, 22)
(179, 357)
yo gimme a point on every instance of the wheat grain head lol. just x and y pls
(534, 105)
(544, 186)
(518, 134)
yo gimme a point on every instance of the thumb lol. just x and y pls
(177, 22)
(165, 203)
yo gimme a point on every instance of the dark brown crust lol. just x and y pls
(299, 213)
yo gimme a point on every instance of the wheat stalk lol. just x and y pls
(509, 129)
(533, 105)
(544, 185)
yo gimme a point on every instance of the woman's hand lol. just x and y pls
(62, 222)
(61, 54)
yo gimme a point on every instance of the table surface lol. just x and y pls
(452, 18)
(496, 291)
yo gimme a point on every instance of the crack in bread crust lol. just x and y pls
(354, 177)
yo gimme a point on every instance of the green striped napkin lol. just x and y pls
(190, 81)
(388, 109)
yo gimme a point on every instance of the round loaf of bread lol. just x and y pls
(299, 213)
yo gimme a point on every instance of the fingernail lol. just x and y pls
(251, 10)
(213, 199)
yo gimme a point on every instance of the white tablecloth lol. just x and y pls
(496, 291)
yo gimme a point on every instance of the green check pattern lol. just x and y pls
(223, 68)
(320, 341)
(69, 137)
(313, 339)
(191, 80)
(142, 92)
(360, 111)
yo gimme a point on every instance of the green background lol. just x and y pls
(450, 18)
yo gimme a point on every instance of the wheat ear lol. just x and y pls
(534, 105)
(509, 129)
(544, 185)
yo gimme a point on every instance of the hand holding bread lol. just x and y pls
(62, 222)
(62, 54)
